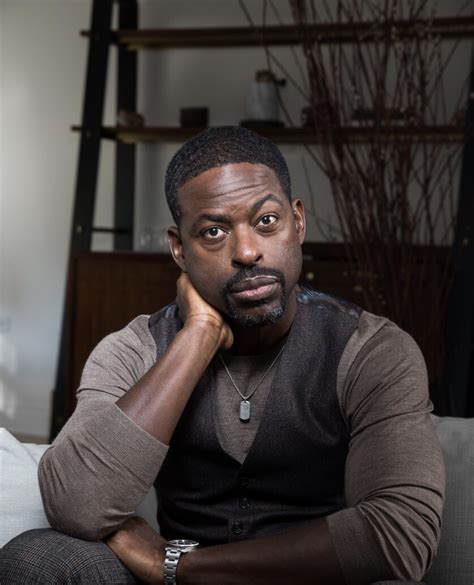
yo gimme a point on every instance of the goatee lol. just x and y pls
(239, 315)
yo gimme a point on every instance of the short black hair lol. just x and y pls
(216, 147)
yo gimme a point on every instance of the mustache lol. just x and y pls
(246, 273)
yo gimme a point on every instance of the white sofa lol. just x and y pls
(21, 508)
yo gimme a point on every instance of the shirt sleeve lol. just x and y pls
(394, 475)
(101, 465)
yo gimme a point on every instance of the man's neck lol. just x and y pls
(256, 340)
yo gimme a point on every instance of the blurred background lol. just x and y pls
(43, 60)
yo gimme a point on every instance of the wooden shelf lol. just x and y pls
(343, 32)
(352, 134)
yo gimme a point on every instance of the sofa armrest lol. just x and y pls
(454, 564)
(20, 500)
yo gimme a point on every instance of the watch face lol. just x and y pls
(182, 544)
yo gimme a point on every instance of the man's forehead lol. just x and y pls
(231, 173)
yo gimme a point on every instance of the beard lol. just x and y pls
(239, 315)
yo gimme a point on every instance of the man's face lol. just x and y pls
(240, 241)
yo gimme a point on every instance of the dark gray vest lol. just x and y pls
(294, 470)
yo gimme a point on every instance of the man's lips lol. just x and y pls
(252, 283)
(256, 288)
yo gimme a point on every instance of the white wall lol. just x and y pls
(42, 65)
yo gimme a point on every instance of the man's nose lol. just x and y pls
(246, 250)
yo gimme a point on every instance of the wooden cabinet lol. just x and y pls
(110, 289)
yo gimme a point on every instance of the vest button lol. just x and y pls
(237, 528)
(244, 481)
(244, 503)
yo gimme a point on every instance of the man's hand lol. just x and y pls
(155, 403)
(140, 548)
(194, 309)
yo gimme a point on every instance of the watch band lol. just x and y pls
(171, 565)
(173, 551)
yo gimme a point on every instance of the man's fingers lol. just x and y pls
(192, 307)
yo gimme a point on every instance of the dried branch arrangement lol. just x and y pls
(373, 104)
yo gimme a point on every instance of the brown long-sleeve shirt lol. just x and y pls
(102, 464)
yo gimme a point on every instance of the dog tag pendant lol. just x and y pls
(245, 411)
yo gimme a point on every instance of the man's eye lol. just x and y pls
(213, 233)
(267, 220)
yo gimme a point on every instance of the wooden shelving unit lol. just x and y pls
(354, 134)
(340, 32)
(128, 39)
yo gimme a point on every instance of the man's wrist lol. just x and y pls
(208, 328)
(187, 568)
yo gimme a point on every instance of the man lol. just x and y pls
(287, 432)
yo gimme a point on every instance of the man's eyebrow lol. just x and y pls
(221, 218)
(214, 217)
(270, 197)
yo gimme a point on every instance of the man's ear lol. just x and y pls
(176, 247)
(300, 218)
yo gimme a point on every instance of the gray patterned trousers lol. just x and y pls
(47, 557)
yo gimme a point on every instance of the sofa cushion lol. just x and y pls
(454, 564)
(20, 499)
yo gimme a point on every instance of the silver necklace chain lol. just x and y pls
(245, 404)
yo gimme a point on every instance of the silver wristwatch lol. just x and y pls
(174, 549)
